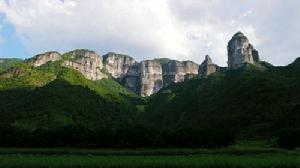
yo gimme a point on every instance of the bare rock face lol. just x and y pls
(191, 69)
(151, 77)
(132, 80)
(42, 59)
(89, 63)
(124, 69)
(175, 71)
(207, 67)
(118, 65)
(240, 51)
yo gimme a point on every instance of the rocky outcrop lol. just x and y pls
(175, 71)
(124, 69)
(148, 77)
(44, 58)
(207, 67)
(151, 77)
(240, 52)
(191, 69)
(89, 63)
(118, 65)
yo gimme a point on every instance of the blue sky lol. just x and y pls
(145, 29)
(11, 46)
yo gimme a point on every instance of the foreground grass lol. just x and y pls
(242, 155)
(206, 161)
(233, 150)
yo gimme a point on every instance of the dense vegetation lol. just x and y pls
(256, 101)
(6, 63)
(55, 106)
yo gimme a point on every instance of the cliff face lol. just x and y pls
(42, 59)
(148, 77)
(124, 69)
(151, 77)
(175, 71)
(89, 63)
(132, 80)
(118, 65)
(240, 51)
(208, 67)
(144, 78)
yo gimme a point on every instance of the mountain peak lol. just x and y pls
(208, 67)
(241, 52)
(208, 60)
(239, 34)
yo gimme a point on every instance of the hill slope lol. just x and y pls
(52, 98)
(253, 102)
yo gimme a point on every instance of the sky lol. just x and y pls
(145, 29)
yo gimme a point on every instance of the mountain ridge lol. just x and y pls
(78, 99)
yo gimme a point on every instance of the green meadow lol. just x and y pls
(230, 157)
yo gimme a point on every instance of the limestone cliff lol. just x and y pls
(42, 59)
(207, 67)
(151, 77)
(240, 51)
(148, 77)
(132, 80)
(124, 69)
(175, 71)
(144, 78)
(118, 65)
(89, 63)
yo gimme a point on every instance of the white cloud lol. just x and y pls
(142, 28)
(182, 29)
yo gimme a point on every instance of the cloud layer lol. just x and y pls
(181, 29)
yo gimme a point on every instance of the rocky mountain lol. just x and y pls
(89, 63)
(143, 78)
(149, 76)
(81, 99)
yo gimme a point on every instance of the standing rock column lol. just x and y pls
(240, 52)
(207, 67)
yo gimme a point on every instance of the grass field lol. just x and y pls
(231, 157)
(207, 161)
